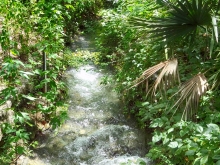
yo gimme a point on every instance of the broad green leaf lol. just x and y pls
(53, 83)
(190, 152)
(20, 150)
(154, 125)
(165, 140)
(173, 144)
(204, 151)
(199, 128)
(164, 118)
(170, 130)
(182, 133)
(218, 162)
(196, 161)
(157, 123)
(204, 159)
(37, 71)
(18, 133)
(145, 103)
(216, 157)
(156, 138)
(213, 127)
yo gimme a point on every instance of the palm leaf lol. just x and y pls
(166, 78)
(182, 22)
(168, 75)
(147, 74)
(190, 94)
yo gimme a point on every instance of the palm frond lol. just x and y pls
(147, 73)
(166, 78)
(185, 17)
(169, 75)
(190, 94)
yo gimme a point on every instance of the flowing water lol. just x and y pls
(97, 132)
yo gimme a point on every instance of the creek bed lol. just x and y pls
(97, 132)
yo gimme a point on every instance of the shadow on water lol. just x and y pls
(97, 132)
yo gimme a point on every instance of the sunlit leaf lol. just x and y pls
(170, 130)
(25, 74)
(156, 138)
(199, 128)
(29, 97)
(213, 127)
(173, 144)
(204, 159)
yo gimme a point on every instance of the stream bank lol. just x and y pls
(97, 132)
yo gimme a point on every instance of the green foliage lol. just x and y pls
(79, 57)
(185, 18)
(10, 70)
(29, 30)
(80, 15)
(131, 51)
(123, 47)
(186, 143)
(16, 138)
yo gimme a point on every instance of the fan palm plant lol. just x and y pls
(185, 17)
(190, 92)
(183, 21)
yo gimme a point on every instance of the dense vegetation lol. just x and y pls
(165, 55)
(33, 59)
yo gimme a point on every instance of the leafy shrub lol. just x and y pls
(186, 143)
(80, 14)
(31, 30)
(131, 50)
(36, 28)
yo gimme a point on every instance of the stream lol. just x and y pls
(96, 132)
